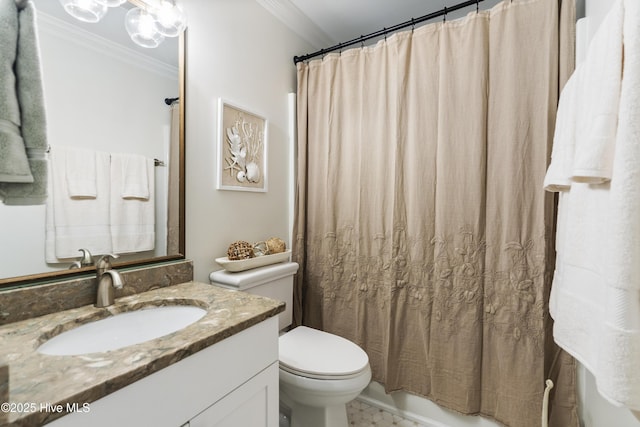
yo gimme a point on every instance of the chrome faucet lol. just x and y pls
(108, 279)
(85, 260)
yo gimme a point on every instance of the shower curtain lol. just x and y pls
(422, 230)
(173, 200)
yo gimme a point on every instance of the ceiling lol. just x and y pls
(323, 23)
(329, 22)
(111, 27)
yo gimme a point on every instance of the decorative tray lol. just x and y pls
(235, 266)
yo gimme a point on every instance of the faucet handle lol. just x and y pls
(85, 258)
(104, 262)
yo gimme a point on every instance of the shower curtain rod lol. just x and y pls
(386, 31)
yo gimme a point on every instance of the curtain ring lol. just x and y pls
(477, 6)
(444, 17)
(362, 42)
(384, 29)
(413, 25)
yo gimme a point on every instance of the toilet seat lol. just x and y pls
(316, 354)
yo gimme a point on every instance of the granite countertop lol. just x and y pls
(40, 379)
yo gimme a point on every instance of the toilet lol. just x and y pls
(319, 372)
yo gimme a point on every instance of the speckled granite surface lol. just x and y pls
(33, 301)
(37, 378)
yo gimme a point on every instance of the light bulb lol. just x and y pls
(170, 17)
(85, 10)
(142, 29)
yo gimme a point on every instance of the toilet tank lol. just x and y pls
(273, 281)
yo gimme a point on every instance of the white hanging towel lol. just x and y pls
(595, 297)
(560, 172)
(600, 92)
(74, 223)
(81, 173)
(132, 218)
(135, 182)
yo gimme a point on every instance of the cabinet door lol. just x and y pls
(253, 404)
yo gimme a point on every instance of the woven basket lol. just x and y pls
(276, 245)
(240, 250)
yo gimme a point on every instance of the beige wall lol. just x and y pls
(239, 51)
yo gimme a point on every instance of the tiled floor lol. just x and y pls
(363, 415)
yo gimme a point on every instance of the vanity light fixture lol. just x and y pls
(142, 28)
(170, 18)
(111, 3)
(85, 10)
(147, 23)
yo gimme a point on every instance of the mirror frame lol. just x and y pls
(39, 278)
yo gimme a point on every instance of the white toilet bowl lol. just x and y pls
(319, 374)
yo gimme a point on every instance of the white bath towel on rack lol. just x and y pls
(132, 219)
(600, 98)
(73, 223)
(595, 297)
(135, 180)
(80, 173)
(560, 172)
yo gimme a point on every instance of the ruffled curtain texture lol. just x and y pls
(422, 230)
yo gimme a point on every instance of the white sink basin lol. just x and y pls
(122, 330)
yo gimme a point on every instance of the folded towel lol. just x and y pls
(29, 84)
(73, 223)
(595, 296)
(595, 141)
(619, 352)
(81, 173)
(14, 166)
(28, 193)
(135, 183)
(558, 177)
(132, 219)
(22, 154)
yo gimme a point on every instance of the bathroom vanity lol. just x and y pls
(221, 370)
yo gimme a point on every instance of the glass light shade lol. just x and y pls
(111, 3)
(85, 10)
(170, 18)
(142, 28)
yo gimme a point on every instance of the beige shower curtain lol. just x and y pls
(173, 202)
(422, 229)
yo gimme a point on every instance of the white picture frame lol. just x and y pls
(242, 149)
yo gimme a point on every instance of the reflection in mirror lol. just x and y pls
(103, 94)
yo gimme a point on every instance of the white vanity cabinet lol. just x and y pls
(248, 405)
(233, 383)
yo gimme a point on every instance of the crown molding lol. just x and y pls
(298, 22)
(57, 27)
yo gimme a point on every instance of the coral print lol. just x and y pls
(242, 148)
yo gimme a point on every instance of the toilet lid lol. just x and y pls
(320, 354)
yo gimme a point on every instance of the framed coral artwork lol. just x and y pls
(242, 149)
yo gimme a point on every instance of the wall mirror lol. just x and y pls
(103, 93)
